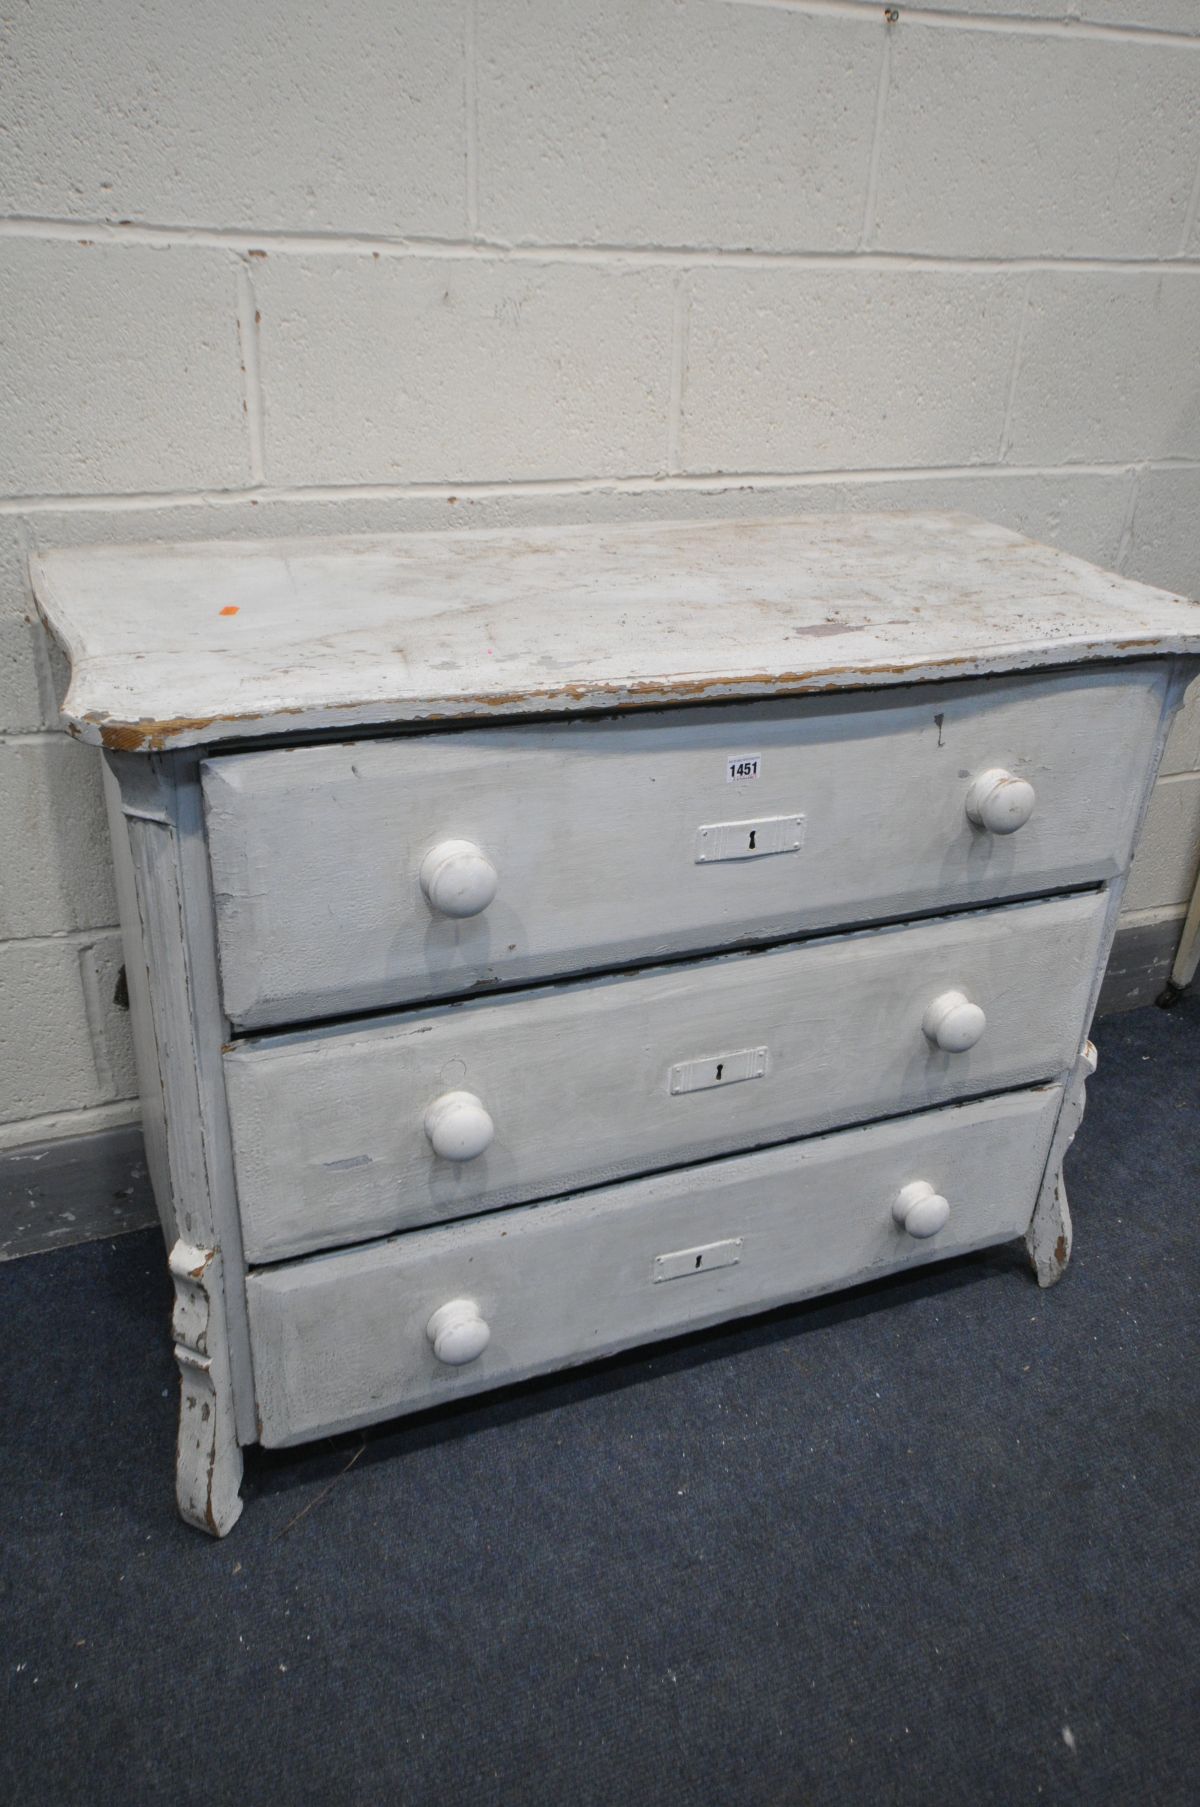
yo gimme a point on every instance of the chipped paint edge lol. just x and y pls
(1050, 1233)
(97, 726)
(148, 734)
(208, 1466)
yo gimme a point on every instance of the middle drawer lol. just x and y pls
(336, 1131)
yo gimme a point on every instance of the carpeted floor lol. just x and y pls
(932, 1541)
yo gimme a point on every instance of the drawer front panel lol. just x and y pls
(339, 1340)
(602, 843)
(334, 1138)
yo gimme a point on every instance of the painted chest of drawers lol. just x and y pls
(540, 943)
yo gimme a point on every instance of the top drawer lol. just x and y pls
(639, 836)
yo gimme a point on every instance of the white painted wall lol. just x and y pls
(290, 267)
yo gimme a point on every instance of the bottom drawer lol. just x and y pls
(342, 1339)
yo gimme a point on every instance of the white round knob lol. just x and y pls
(458, 879)
(458, 1126)
(953, 1023)
(920, 1210)
(459, 1332)
(1000, 802)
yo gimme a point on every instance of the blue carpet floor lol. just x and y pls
(932, 1541)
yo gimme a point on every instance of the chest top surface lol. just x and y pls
(175, 646)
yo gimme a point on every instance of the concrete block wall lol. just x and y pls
(289, 268)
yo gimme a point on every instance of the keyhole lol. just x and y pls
(753, 838)
(699, 1259)
(720, 1068)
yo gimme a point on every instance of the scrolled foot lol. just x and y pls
(208, 1459)
(1049, 1236)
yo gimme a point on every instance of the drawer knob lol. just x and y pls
(458, 1126)
(459, 1332)
(458, 879)
(920, 1210)
(953, 1023)
(1000, 802)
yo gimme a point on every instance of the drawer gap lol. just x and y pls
(1049, 1084)
(351, 1019)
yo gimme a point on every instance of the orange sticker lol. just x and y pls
(232, 609)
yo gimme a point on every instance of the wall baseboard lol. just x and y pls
(1139, 965)
(78, 1190)
(87, 1187)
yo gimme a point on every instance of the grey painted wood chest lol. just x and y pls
(542, 943)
